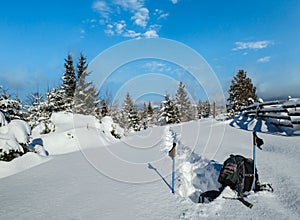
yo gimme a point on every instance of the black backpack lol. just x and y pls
(237, 173)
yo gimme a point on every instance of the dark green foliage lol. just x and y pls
(69, 79)
(240, 92)
(149, 109)
(86, 96)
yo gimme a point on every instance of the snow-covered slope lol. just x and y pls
(130, 178)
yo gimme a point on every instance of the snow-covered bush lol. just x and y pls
(109, 126)
(14, 139)
(11, 108)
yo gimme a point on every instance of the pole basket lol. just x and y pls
(172, 152)
(257, 141)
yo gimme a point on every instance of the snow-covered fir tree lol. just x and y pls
(103, 110)
(11, 108)
(39, 113)
(34, 114)
(114, 112)
(169, 113)
(203, 109)
(86, 96)
(128, 115)
(183, 104)
(240, 92)
(150, 110)
(152, 115)
(144, 116)
(134, 120)
(55, 100)
(147, 115)
(69, 82)
(41, 110)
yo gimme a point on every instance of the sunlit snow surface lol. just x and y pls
(132, 178)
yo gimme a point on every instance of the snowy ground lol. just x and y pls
(90, 175)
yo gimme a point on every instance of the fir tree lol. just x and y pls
(55, 100)
(12, 108)
(69, 79)
(129, 119)
(201, 109)
(149, 109)
(86, 96)
(39, 113)
(134, 120)
(240, 91)
(103, 109)
(152, 115)
(183, 104)
(81, 66)
(144, 116)
(169, 112)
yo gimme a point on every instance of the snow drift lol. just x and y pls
(73, 189)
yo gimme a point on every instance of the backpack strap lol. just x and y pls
(240, 185)
(209, 196)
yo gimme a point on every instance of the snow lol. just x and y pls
(13, 134)
(90, 175)
(69, 126)
(267, 125)
(19, 164)
(293, 102)
(3, 121)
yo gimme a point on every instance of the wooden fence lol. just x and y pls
(280, 112)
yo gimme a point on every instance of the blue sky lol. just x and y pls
(261, 37)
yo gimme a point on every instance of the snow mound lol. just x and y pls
(19, 164)
(196, 174)
(169, 138)
(110, 128)
(69, 128)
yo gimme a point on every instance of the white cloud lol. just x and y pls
(109, 32)
(251, 45)
(174, 1)
(264, 59)
(164, 15)
(129, 5)
(110, 26)
(140, 21)
(160, 14)
(102, 8)
(120, 26)
(150, 34)
(141, 17)
(132, 34)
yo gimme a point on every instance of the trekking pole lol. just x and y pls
(257, 142)
(173, 174)
(172, 154)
